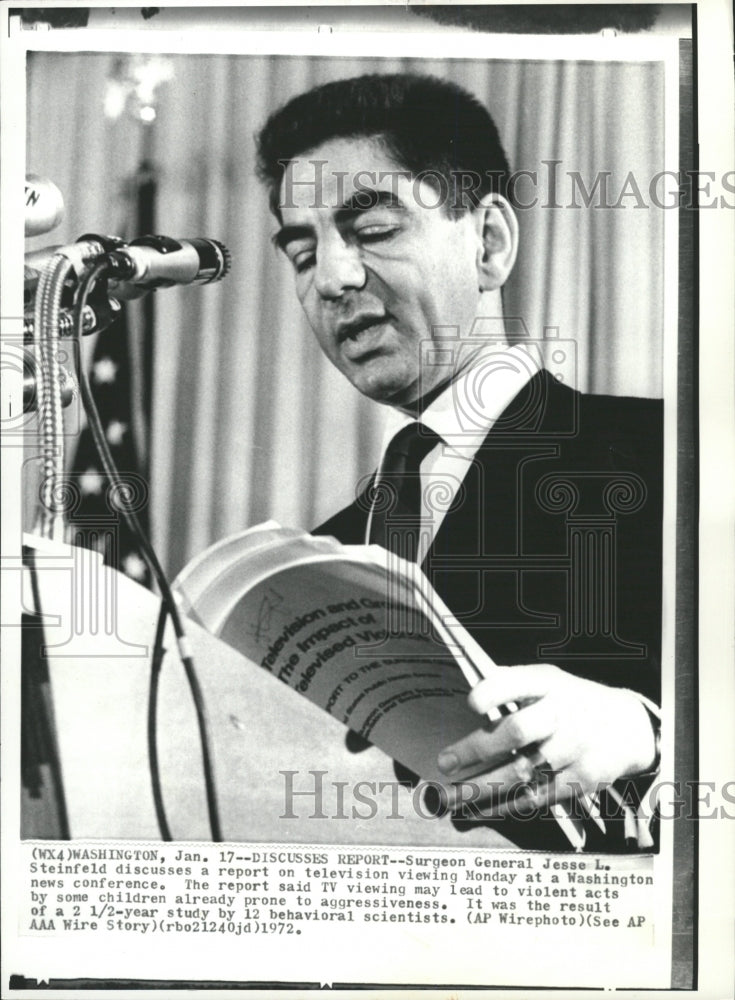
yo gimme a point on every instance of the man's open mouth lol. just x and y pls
(353, 330)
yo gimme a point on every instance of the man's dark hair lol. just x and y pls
(429, 126)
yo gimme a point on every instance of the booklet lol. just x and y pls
(356, 630)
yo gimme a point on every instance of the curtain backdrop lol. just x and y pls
(249, 420)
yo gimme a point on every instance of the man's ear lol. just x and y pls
(496, 227)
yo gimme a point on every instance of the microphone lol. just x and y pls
(44, 205)
(159, 262)
(81, 253)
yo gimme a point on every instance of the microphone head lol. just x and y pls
(44, 205)
(226, 260)
(215, 260)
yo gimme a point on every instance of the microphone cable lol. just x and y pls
(156, 661)
(169, 603)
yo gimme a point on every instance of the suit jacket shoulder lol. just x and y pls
(624, 431)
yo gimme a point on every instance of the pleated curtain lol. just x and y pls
(249, 420)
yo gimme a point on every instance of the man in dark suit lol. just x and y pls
(538, 508)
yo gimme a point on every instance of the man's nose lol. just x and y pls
(338, 268)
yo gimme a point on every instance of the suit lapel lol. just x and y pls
(479, 521)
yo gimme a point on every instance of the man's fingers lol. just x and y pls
(526, 785)
(499, 792)
(494, 743)
(523, 683)
(538, 775)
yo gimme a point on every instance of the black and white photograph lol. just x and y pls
(353, 523)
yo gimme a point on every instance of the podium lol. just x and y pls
(282, 769)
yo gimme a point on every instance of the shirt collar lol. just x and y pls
(466, 410)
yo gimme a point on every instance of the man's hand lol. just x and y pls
(589, 734)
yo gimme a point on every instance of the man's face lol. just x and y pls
(379, 266)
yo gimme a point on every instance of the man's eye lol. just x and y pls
(303, 261)
(375, 233)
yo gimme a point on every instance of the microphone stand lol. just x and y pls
(50, 520)
(48, 320)
(39, 747)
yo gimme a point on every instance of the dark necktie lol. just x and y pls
(396, 503)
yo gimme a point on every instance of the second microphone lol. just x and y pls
(160, 262)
